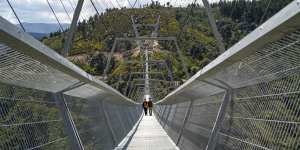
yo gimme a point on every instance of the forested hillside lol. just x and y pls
(95, 36)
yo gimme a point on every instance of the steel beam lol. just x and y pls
(183, 64)
(156, 28)
(131, 91)
(214, 84)
(214, 27)
(109, 125)
(141, 79)
(145, 25)
(135, 27)
(163, 113)
(147, 38)
(214, 136)
(109, 59)
(186, 117)
(170, 72)
(70, 126)
(70, 33)
(74, 86)
(168, 114)
(150, 61)
(144, 73)
(128, 84)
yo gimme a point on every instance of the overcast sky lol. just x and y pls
(37, 11)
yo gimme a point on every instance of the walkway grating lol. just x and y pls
(147, 135)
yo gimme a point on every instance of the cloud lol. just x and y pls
(38, 11)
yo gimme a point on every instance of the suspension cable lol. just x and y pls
(110, 4)
(132, 6)
(71, 4)
(93, 4)
(65, 10)
(16, 15)
(233, 9)
(265, 13)
(98, 14)
(55, 15)
(118, 4)
(105, 4)
(187, 19)
(97, 3)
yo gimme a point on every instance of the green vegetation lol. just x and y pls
(30, 117)
(235, 19)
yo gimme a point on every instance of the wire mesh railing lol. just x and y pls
(30, 119)
(46, 102)
(248, 98)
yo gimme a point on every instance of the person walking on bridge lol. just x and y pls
(150, 105)
(145, 107)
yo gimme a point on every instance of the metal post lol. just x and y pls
(131, 117)
(121, 121)
(186, 117)
(128, 84)
(118, 83)
(70, 127)
(134, 27)
(109, 59)
(70, 34)
(214, 26)
(169, 69)
(168, 114)
(213, 139)
(131, 91)
(182, 60)
(136, 32)
(107, 121)
(155, 32)
(162, 115)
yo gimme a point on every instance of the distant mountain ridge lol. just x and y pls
(43, 28)
(39, 36)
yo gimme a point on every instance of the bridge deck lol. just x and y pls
(148, 135)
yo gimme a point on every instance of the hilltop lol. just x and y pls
(95, 36)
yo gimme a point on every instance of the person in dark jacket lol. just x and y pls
(150, 105)
(145, 106)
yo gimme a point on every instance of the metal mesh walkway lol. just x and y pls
(148, 135)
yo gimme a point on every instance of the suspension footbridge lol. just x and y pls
(247, 98)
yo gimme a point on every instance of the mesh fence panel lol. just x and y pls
(46, 102)
(92, 125)
(264, 112)
(30, 119)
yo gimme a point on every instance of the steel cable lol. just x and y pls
(265, 13)
(11, 7)
(62, 30)
(63, 5)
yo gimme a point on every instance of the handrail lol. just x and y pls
(287, 20)
(26, 44)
